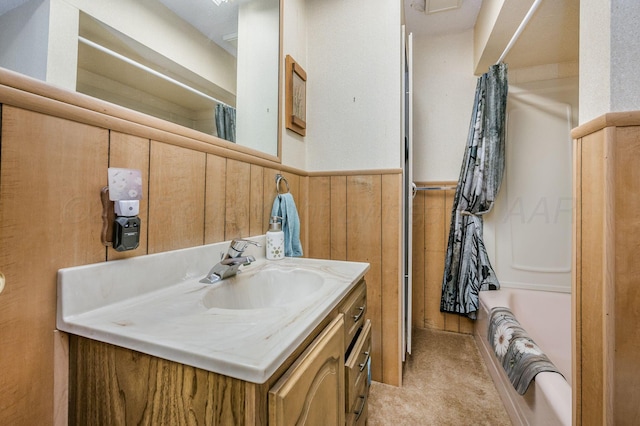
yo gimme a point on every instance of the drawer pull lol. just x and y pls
(357, 317)
(366, 361)
(361, 409)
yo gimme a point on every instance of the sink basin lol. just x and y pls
(266, 289)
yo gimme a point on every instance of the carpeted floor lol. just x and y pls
(445, 383)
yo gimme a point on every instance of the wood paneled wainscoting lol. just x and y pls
(431, 222)
(606, 271)
(357, 216)
(56, 147)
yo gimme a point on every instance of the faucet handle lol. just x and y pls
(238, 246)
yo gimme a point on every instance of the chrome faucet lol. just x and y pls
(230, 262)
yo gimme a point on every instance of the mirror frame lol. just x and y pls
(36, 86)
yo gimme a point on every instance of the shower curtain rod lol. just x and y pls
(521, 27)
(149, 70)
(435, 188)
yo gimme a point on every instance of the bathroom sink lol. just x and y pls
(269, 288)
(243, 327)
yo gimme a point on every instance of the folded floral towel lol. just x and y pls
(521, 358)
(285, 207)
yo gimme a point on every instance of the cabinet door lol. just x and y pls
(311, 392)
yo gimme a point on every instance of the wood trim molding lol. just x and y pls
(354, 172)
(610, 119)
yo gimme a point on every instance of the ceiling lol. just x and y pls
(550, 37)
(451, 21)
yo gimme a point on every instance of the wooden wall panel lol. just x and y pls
(256, 202)
(626, 398)
(132, 152)
(576, 280)
(391, 279)
(418, 268)
(436, 232)
(176, 197)
(339, 217)
(270, 193)
(215, 207)
(319, 223)
(592, 204)
(238, 195)
(51, 173)
(358, 218)
(364, 244)
(431, 222)
(302, 203)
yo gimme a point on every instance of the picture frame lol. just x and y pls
(296, 97)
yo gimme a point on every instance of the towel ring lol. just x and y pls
(280, 178)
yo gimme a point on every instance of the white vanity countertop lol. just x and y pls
(154, 304)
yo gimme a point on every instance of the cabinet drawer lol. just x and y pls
(354, 310)
(358, 412)
(357, 367)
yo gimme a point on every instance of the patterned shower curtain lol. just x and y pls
(467, 266)
(226, 122)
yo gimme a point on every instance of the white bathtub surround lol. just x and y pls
(546, 318)
(155, 304)
(528, 233)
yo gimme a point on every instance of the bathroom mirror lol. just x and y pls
(210, 65)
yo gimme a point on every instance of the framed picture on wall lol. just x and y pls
(296, 97)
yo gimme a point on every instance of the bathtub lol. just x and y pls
(546, 316)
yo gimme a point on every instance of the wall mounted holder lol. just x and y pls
(120, 208)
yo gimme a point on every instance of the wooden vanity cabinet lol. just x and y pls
(308, 387)
(111, 385)
(312, 390)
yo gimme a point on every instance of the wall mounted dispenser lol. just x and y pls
(125, 190)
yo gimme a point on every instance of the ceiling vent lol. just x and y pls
(435, 6)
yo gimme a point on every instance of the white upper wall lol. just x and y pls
(443, 94)
(354, 69)
(625, 55)
(595, 87)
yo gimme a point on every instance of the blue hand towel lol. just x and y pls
(285, 207)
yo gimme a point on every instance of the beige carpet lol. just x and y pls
(445, 383)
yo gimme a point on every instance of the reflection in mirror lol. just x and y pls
(207, 66)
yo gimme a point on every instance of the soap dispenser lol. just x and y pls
(275, 239)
